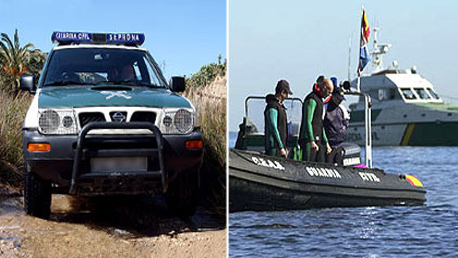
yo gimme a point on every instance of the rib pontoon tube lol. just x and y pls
(262, 183)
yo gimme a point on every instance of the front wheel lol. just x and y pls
(37, 196)
(181, 195)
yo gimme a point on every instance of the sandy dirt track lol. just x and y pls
(114, 227)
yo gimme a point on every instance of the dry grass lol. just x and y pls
(210, 103)
(12, 112)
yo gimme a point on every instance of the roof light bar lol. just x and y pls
(101, 38)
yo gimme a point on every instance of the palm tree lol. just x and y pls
(35, 61)
(13, 59)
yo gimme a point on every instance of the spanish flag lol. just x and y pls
(364, 53)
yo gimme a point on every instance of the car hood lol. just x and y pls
(100, 96)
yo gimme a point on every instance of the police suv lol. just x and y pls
(104, 121)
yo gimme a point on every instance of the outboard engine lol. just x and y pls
(351, 154)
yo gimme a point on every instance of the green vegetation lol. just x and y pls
(206, 75)
(14, 61)
(207, 91)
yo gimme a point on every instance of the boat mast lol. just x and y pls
(379, 51)
(349, 57)
(367, 105)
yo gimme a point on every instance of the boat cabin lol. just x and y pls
(398, 85)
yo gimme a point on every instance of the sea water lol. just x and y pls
(418, 231)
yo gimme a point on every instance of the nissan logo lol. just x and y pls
(118, 117)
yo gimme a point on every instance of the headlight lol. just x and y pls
(56, 121)
(179, 121)
(48, 121)
(183, 120)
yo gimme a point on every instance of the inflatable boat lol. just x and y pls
(263, 183)
(260, 182)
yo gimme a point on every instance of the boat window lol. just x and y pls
(422, 93)
(387, 94)
(294, 113)
(374, 94)
(383, 94)
(255, 121)
(433, 93)
(408, 93)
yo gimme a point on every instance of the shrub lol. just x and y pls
(207, 91)
(12, 113)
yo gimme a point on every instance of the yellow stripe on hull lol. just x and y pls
(414, 181)
(408, 134)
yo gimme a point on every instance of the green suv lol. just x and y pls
(104, 121)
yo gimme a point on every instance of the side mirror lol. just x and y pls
(346, 85)
(177, 84)
(27, 83)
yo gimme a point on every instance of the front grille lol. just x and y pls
(143, 116)
(118, 116)
(90, 117)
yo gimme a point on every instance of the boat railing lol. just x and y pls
(252, 136)
(367, 122)
(251, 132)
(254, 118)
(262, 99)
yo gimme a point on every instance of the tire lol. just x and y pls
(181, 196)
(37, 196)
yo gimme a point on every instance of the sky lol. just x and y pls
(181, 35)
(299, 40)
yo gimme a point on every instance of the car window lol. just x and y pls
(151, 72)
(99, 65)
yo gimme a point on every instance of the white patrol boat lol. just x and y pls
(405, 108)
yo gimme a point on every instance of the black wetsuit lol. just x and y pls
(312, 129)
(275, 126)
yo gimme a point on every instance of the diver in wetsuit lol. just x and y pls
(312, 138)
(275, 121)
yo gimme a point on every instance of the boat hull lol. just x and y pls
(262, 183)
(433, 133)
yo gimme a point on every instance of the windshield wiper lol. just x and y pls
(150, 85)
(130, 83)
(122, 82)
(65, 83)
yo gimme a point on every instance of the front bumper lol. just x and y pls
(67, 164)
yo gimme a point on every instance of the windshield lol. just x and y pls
(408, 93)
(93, 66)
(255, 119)
(433, 93)
(422, 93)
